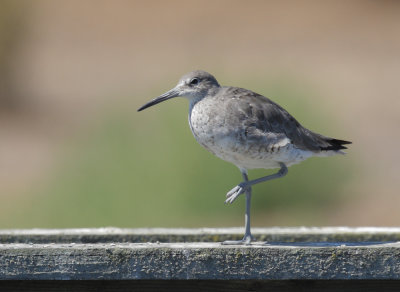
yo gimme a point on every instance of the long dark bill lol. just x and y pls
(168, 95)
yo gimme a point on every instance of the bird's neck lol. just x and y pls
(195, 99)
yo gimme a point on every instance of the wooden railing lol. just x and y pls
(122, 259)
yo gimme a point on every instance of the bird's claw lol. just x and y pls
(247, 239)
(235, 192)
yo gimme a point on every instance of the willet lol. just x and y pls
(248, 130)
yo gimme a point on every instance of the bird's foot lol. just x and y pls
(247, 239)
(236, 192)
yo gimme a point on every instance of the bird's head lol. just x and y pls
(194, 85)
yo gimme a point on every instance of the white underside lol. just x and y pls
(288, 155)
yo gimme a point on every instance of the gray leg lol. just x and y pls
(246, 187)
(241, 188)
(247, 235)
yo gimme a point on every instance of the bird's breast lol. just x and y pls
(205, 124)
(215, 130)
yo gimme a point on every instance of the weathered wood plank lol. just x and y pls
(200, 261)
(294, 259)
(286, 234)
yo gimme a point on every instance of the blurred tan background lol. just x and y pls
(74, 152)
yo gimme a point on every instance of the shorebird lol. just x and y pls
(248, 130)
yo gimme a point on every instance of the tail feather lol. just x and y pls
(335, 144)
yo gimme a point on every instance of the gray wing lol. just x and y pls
(265, 121)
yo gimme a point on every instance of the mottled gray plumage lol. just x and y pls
(246, 129)
(259, 115)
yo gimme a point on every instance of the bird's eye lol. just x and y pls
(194, 81)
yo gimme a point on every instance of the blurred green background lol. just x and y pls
(75, 153)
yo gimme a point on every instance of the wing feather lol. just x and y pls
(266, 121)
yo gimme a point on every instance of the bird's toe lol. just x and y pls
(234, 193)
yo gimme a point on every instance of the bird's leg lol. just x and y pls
(247, 234)
(241, 188)
(245, 186)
